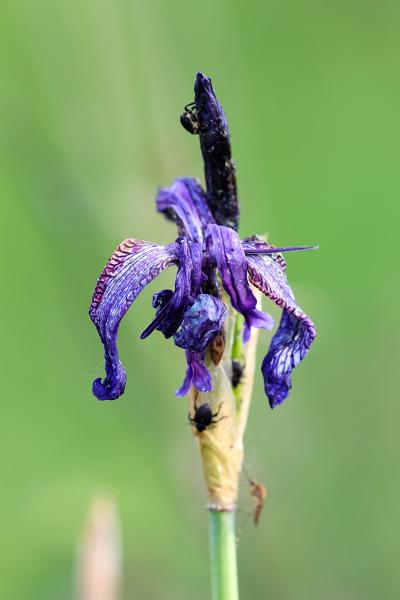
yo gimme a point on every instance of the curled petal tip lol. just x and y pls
(277, 391)
(105, 391)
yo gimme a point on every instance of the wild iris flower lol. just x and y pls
(212, 263)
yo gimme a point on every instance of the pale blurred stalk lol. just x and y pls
(100, 554)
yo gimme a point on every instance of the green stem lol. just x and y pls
(224, 581)
(237, 355)
(237, 348)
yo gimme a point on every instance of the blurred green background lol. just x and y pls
(91, 92)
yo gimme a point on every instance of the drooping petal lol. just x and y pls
(224, 245)
(201, 323)
(295, 333)
(288, 347)
(219, 167)
(184, 203)
(173, 305)
(199, 200)
(131, 267)
(197, 374)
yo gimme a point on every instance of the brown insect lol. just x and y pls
(217, 348)
(258, 493)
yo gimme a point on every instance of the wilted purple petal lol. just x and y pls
(199, 200)
(215, 143)
(173, 305)
(224, 245)
(131, 267)
(184, 203)
(201, 323)
(288, 347)
(197, 374)
(295, 333)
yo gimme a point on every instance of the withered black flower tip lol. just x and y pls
(219, 168)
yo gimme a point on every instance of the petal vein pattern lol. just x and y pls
(131, 267)
(295, 333)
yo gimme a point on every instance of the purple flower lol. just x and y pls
(208, 254)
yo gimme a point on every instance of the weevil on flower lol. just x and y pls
(213, 266)
(204, 417)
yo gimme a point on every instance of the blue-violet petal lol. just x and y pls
(131, 267)
(295, 333)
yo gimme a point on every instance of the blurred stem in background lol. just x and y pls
(99, 558)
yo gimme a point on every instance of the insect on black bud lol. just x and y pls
(189, 120)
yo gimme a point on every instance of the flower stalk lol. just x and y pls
(221, 450)
(223, 563)
(221, 447)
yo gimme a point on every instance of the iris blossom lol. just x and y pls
(212, 264)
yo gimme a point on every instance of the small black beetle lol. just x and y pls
(204, 417)
(189, 120)
(237, 373)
